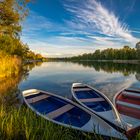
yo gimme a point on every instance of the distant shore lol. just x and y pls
(32, 61)
(116, 61)
(86, 60)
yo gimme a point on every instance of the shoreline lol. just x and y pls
(113, 61)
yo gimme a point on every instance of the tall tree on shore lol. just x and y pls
(138, 49)
(138, 45)
(12, 12)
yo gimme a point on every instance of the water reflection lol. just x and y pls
(138, 76)
(57, 77)
(110, 67)
(9, 91)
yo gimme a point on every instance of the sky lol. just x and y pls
(65, 28)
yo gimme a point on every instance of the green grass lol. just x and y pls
(137, 136)
(23, 123)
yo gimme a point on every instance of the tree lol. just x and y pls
(138, 45)
(97, 54)
(12, 12)
(138, 50)
(39, 57)
(126, 53)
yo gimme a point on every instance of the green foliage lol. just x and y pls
(126, 53)
(31, 55)
(13, 46)
(12, 12)
(138, 46)
(138, 50)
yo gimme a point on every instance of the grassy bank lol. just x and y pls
(9, 65)
(24, 124)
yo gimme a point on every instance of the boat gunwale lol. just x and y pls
(114, 102)
(100, 93)
(122, 128)
(92, 115)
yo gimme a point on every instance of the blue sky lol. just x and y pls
(59, 28)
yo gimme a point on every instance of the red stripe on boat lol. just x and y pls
(135, 113)
(132, 97)
(127, 100)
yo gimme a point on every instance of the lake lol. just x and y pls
(57, 77)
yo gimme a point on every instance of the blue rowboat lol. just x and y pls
(65, 112)
(97, 103)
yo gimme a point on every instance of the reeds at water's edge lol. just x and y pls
(9, 65)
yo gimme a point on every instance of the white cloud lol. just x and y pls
(92, 27)
(136, 31)
(60, 46)
(97, 18)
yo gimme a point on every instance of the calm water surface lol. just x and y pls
(57, 77)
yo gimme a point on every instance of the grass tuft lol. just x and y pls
(9, 65)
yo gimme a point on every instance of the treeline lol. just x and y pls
(14, 47)
(12, 13)
(126, 53)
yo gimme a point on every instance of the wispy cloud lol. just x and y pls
(136, 31)
(94, 16)
(53, 40)
(60, 49)
(91, 27)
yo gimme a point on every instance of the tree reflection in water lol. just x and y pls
(110, 67)
(9, 91)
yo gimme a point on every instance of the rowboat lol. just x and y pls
(127, 102)
(96, 102)
(65, 112)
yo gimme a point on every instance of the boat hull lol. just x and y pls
(127, 102)
(96, 102)
(64, 112)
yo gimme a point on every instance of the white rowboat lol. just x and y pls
(64, 112)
